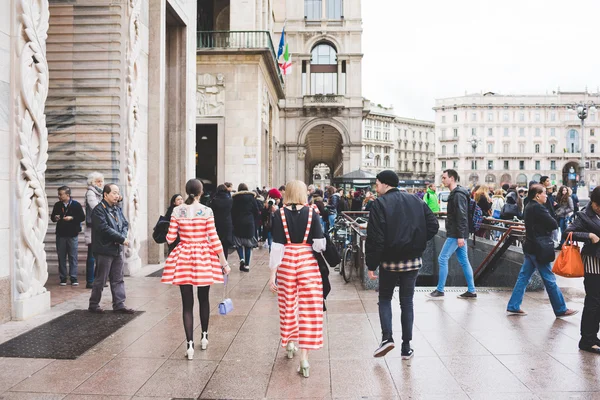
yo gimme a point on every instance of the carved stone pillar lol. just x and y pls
(133, 261)
(30, 222)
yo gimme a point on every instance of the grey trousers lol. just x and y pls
(108, 267)
(67, 247)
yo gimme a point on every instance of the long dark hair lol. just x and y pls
(561, 199)
(172, 205)
(193, 188)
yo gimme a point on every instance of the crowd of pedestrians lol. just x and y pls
(292, 221)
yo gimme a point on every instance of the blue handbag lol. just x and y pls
(225, 306)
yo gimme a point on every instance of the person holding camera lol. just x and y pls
(68, 215)
(270, 207)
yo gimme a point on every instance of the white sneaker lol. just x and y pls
(190, 350)
(204, 341)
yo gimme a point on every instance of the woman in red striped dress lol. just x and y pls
(295, 275)
(198, 260)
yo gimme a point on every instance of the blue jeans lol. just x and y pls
(269, 240)
(67, 247)
(324, 225)
(562, 224)
(529, 266)
(247, 251)
(89, 265)
(332, 218)
(405, 281)
(451, 247)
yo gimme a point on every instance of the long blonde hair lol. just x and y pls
(483, 190)
(295, 192)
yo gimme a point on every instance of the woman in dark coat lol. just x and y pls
(244, 213)
(176, 200)
(221, 205)
(586, 229)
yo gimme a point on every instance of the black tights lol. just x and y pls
(187, 298)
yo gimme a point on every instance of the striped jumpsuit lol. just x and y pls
(300, 291)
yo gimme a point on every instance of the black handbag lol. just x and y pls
(544, 249)
(161, 229)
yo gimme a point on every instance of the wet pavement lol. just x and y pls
(464, 349)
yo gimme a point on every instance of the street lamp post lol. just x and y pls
(583, 111)
(474, 141)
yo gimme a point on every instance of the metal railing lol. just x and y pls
(237, 40)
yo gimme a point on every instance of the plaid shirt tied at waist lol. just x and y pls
(403, 266)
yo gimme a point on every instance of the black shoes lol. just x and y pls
(407, 353)
(243, 267)
(89, 285)
(63, 282)
(125, 310)
(96, 310)
(385, 347)
(468, 296)
(74, 282)
(435, 294)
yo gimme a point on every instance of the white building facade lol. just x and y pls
(404, 145)
(515, 139)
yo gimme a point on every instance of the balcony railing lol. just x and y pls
(238, 40)
(324, 100)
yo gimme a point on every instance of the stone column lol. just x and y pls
(308, 85)
(29, 217)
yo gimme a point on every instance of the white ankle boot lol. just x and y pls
(204, 341)
(190, 350)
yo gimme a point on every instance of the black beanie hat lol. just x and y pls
(388, 177)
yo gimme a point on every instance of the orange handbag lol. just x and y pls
(569, 263)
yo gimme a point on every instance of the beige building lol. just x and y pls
(500, 139)
(402, 144)
(321, 116)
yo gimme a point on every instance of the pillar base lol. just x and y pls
(132, 266)
(32, 306)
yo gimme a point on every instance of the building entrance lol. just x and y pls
(206, 156)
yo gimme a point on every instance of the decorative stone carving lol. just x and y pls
(31, 269)
(210, 94)
(132, 196)
(301, 154)
(265, 106)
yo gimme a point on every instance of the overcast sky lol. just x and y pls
(418, 50)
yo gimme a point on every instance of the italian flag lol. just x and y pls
(286, 64)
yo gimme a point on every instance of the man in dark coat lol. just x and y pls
(244, 213)
(109, 235)
(221, 205)
(68, 215)
(399, 227)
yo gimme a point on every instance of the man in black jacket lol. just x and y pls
(399, 227)
(68, 215)
(109, 235)
(457, 233)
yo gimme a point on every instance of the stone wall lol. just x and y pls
(6, 15)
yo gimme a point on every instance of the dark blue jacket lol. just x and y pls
(109, 229)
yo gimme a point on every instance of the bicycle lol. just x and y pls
(350, 258)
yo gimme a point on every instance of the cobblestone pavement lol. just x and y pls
(463, 350)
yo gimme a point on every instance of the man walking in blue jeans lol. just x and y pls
(457, 233)
(399, 227)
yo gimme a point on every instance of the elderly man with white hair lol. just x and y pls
(93, 196)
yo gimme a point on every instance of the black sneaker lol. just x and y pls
(74, 282)
(436, 293)
(89, 285)
(407, 352)
(467, 295)
(243, 267)
(63, 282)
(385, 347)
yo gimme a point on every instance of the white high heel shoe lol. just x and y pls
(204, 341)
(303, 368)
(291, 349)
(190, 350)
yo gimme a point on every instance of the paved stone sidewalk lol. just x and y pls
(463, 350)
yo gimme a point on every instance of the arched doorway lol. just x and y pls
(321, 176)
(506, 178)
(522, 180)
(490, 178)
(536, 178)
(473, 179)
(570, 174)
(323, 146)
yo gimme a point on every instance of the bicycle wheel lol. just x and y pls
(348, 264)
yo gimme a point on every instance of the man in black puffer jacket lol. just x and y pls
(399, 227)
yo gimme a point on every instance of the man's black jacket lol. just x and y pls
(400, 225)
(68, 228)
(457, 221)
(109, 229)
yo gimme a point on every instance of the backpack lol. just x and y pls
(475, 216)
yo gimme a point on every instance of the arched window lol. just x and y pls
(444, 150)
(537, 148)
(377, 161)
(386, 162)
(455, 149)
(323, 70)
(522, 180)
(552, 148)
(592, 148)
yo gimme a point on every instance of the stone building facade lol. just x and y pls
(500, 139)
(89, 86)
(321, 116)
(403, 144)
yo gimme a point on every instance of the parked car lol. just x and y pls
(443, 200)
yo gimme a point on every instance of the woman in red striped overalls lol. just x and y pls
(295, 274)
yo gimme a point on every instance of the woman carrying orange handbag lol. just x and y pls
(586, 228)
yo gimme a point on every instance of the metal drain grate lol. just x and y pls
(422, 289)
